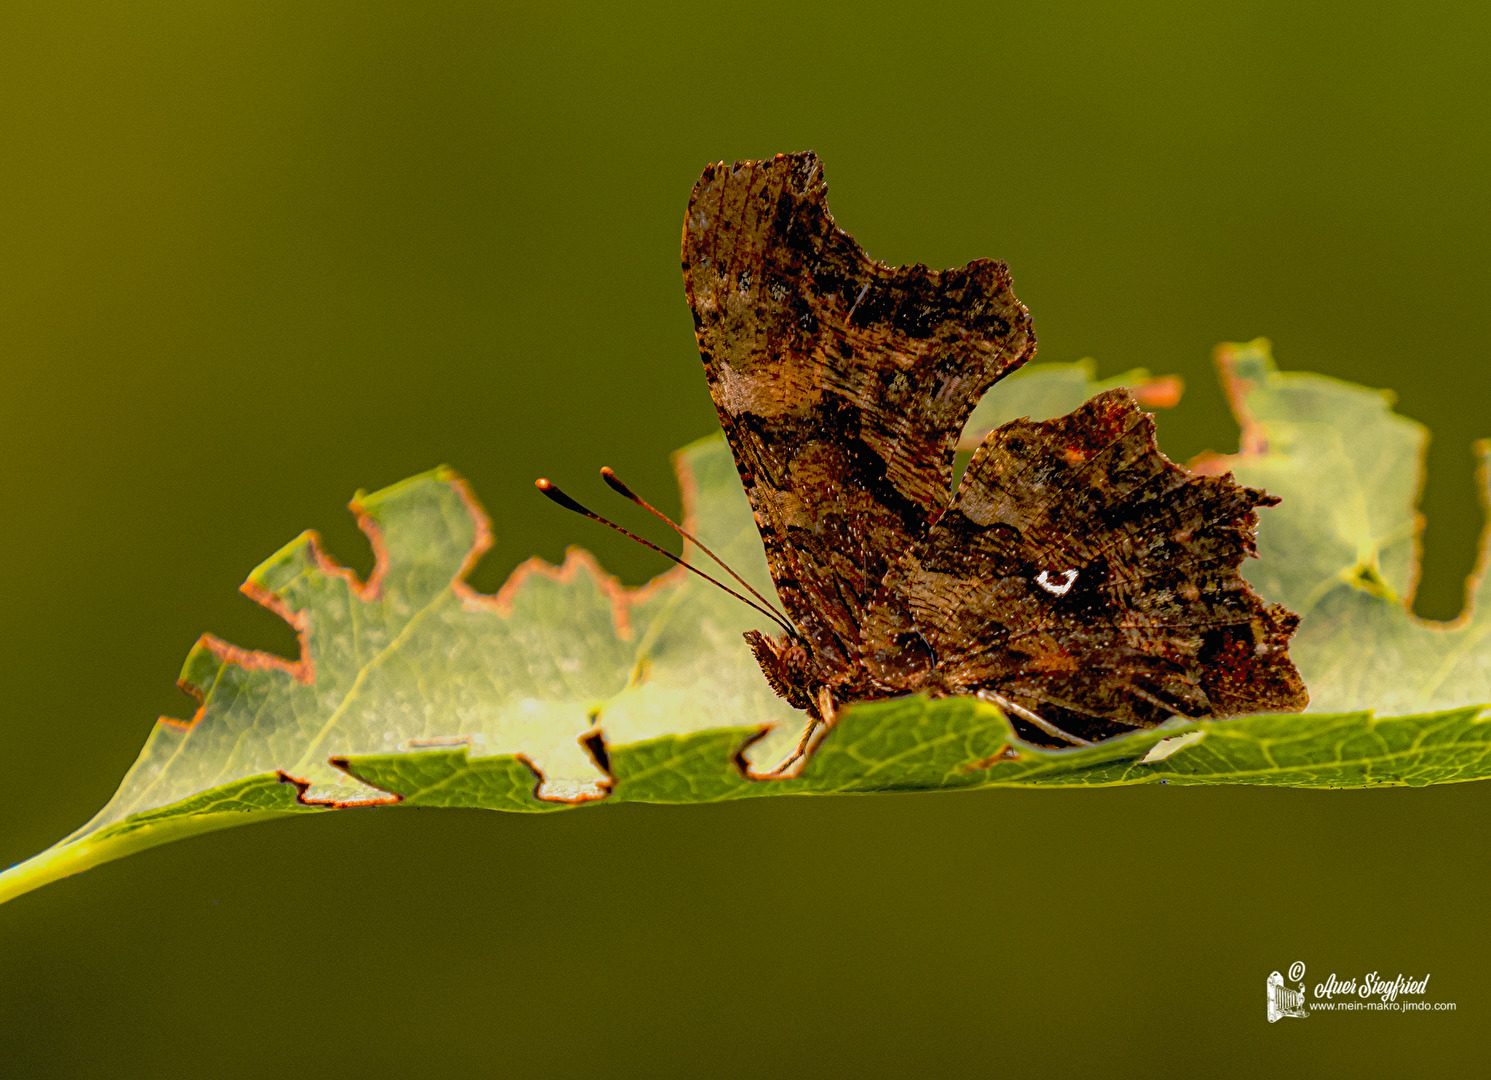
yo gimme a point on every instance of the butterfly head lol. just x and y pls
(789, 665)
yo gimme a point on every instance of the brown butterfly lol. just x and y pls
(1077, 578)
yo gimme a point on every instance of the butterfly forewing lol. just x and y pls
(842, 384)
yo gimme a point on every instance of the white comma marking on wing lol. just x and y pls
(1047, 581)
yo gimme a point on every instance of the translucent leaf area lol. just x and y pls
(566, 689)
(1342, 548)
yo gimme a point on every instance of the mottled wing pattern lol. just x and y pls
(841, 383)
(1092, 585)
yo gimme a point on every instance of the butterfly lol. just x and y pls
(1077, 578)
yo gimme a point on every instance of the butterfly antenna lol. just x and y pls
(555, 495)
(621, 489)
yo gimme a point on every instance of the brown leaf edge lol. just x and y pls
(577, 561)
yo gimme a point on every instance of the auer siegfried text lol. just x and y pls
(1373, 992)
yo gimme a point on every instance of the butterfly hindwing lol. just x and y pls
(1087, 579)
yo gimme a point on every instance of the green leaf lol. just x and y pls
(566, 689)
(1342, 548)
(1046, 391)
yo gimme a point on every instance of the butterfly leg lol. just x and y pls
(1025, 714)
(826, 711)
(812, 735)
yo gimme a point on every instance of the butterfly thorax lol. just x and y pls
(891, 659)
(820, 683)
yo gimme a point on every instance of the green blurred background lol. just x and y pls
(254, 256)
